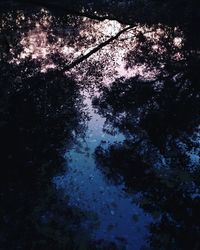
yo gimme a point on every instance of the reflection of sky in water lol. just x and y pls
(84, 183)
(117, 216)
(44, 41)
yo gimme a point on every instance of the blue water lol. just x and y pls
(115, 216)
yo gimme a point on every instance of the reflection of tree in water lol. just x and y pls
(38, 116)
(93, 51)
(160, 118)
(160, 157)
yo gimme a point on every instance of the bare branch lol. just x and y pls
(96, 49)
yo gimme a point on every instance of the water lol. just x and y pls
(157, 191)
(116, 215)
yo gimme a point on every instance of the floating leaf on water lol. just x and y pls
(112, 212)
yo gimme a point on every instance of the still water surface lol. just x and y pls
(117, 217)
(166, 161)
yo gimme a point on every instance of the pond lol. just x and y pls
(102, 134)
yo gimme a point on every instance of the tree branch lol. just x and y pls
(60, 8)
(96, 49)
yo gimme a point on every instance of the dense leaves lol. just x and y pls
(160, 157)
(159, 117)
(38, 115)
